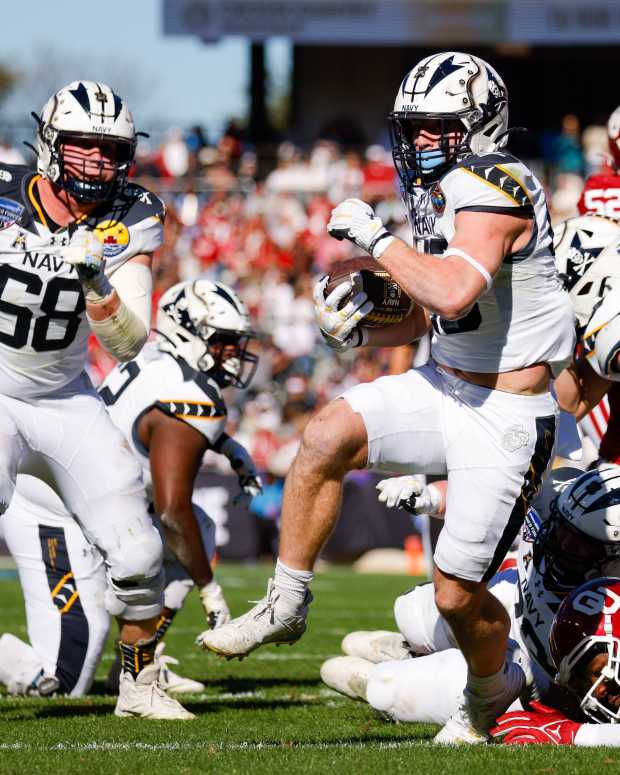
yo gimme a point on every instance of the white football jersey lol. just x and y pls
(423, 222)
(158, 380)
(43, 325)
(526, 316)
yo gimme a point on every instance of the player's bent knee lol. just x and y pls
(139, 558)
(136, 579)
(333, 438)
(456, 601)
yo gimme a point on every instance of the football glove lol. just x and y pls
(356, 221)
(214, 605)
(409, 493)
(339, 327)
(540, 725)
(85, 253)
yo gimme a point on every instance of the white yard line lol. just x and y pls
(205, 746)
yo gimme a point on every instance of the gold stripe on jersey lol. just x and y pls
(190, 410)
(501, 180)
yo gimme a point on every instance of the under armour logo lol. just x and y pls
(101, 96)
(421, 71)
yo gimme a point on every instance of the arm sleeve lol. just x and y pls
(134, 284)
(589, 735)
(125, 331)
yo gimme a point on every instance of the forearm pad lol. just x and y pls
(122, 334)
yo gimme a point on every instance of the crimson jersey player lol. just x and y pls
(601, 196)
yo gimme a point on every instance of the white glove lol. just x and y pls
(214, 604)
(339, 327)
(409, 493)
(356, 221)
(85, 253)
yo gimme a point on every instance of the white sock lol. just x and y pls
(291, 583)
(487, 687)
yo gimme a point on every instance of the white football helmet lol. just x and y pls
(466, 95)
(602, 276)
(85, 110)
(207, 325)
(581, 538)
(579, 241)
(601, 336)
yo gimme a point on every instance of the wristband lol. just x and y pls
(96, 287)
(380, 244)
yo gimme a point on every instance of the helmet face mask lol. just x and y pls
(468, 99)
(581, 538)
(207, 325)
(572, 557)
(81, 117)
(430, 163)
(87, 179)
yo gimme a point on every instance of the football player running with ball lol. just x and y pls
(481, 409)
(76, 241)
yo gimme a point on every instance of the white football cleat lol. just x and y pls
(171, 682)
(144, 697)
(21, 670)
(347, 675)
(376, 645)
(471, 723)
(268, 622)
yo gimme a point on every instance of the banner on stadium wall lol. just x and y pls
(337, 22)
(398, 22)
(364, 522)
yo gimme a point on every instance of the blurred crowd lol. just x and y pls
(257, 222)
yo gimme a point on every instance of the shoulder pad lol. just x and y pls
(11, 176)
(493, 170)
(135, 204)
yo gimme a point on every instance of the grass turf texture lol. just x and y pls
(267, 714)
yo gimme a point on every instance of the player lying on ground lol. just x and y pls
(169, 407)
(482, 409)
(565, 540)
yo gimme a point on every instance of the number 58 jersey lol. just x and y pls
(43, 326)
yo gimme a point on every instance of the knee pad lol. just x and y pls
(135, 599)
(135, 577)
(138, 554)
(423, 627)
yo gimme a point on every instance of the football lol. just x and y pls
(392, 304)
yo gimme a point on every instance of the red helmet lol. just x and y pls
(588, 623)
(613, 134)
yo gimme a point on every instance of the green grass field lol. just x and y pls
(267, 714)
